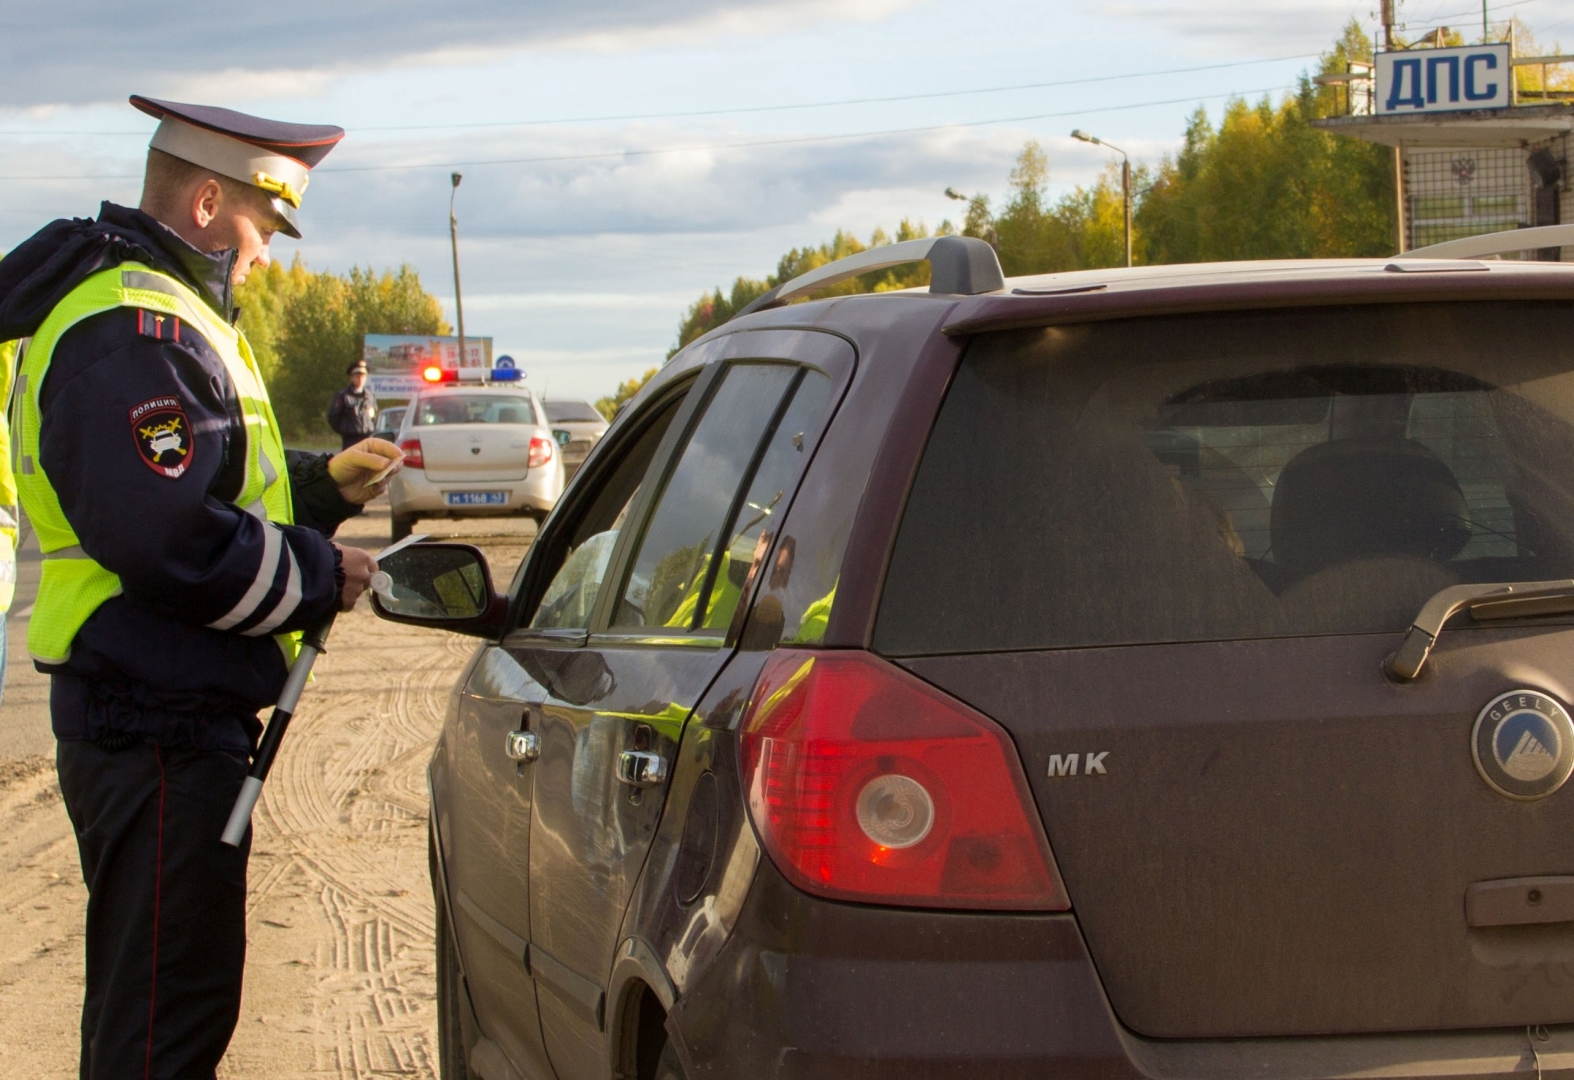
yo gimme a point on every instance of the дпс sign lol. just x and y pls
(1443, 80)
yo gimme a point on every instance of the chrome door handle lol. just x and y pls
(642, 768)
(522, 745)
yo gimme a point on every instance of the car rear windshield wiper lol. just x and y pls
(1494, 600)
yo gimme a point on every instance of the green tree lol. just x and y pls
(319, 333)
(262, 302)
(1266, 184)
(609, 406)
(715, 308)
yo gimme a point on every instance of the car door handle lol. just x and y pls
(522, 745)
(642, 768)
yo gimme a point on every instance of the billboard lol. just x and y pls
(394, 361)
(1443, 80)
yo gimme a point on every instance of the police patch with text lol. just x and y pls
(163, 436)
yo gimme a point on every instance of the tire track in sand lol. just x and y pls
(42, 905)
(341, 974)
(340, 977)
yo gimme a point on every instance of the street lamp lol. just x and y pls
(453, 234)
(1125, 179)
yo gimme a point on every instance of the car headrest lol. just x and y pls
(1358, 498)
(509, 415)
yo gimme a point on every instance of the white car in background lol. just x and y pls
(584, 425)
(475, 450)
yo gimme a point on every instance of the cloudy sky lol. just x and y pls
(622, 156)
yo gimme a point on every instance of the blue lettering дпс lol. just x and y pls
(1488, 92)
(1413, 98)
(1432, 64)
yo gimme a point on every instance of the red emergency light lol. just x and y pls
(435, 374)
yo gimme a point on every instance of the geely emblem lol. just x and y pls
(1523, 744)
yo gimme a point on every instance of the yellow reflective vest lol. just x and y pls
(8, 510)
(71, 585)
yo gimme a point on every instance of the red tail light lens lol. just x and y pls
(412, 454)
(540, 451)
(868, 784)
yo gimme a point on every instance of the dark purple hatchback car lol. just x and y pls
(1157, 673)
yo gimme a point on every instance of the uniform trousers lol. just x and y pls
(166, 910)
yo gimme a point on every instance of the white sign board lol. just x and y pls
(1443, 80)
(396, 360)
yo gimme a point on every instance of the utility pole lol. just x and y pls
(1125, 187)
(1386, 13)
(453, 235)
(1486, 33)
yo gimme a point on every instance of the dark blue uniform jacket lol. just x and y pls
(148, 662)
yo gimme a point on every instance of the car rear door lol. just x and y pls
(1171, 555)
(615, 702)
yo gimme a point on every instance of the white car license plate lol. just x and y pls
(476, 498)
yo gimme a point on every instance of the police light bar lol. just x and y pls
(505, 374)
(435, 374)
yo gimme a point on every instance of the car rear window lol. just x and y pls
(568, 412)
(474, 409)
(1236, 475)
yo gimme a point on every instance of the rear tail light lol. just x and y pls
(412, 454)
(540, 451)
(868, 784)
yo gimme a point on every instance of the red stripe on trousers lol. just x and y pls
(158, 880)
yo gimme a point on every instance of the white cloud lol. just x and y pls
(164, 47)
(1266, 27)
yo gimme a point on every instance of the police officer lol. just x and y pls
(353, 413)
(184, 549)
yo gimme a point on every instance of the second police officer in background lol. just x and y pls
(353, 412)
(182, 547)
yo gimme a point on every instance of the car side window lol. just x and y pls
(764, 503)
(667, 577)
(570, 599)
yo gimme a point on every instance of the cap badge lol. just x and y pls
(280, 188)
(1523, 744)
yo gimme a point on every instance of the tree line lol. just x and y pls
(1261, 184)
(306, 327)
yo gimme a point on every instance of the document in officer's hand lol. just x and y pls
(386, 473)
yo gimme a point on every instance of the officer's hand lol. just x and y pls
(352, 469)
(358, 570)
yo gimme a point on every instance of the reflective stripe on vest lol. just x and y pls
(71, 586)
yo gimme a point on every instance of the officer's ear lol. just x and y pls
(206, 201)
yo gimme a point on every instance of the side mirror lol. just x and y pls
(443, 586)
(562, 436)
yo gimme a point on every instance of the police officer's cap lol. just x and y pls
(267, 154)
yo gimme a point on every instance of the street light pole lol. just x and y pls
(453, 235)
(1125, 179)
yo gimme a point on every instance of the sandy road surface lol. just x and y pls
(340, 970)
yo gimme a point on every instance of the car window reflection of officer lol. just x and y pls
(353, 413)
(184, 549)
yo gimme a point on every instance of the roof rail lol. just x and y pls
(1497, 243)
(960, 265)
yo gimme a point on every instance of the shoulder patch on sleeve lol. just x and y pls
(158, 326)
(163, 436)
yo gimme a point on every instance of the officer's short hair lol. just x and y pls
(167, 177)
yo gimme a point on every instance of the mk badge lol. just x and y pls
(163, 436)
(1066, 764)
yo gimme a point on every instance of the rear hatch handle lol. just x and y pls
(1494, 600)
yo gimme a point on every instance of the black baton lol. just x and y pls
(311, 647)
